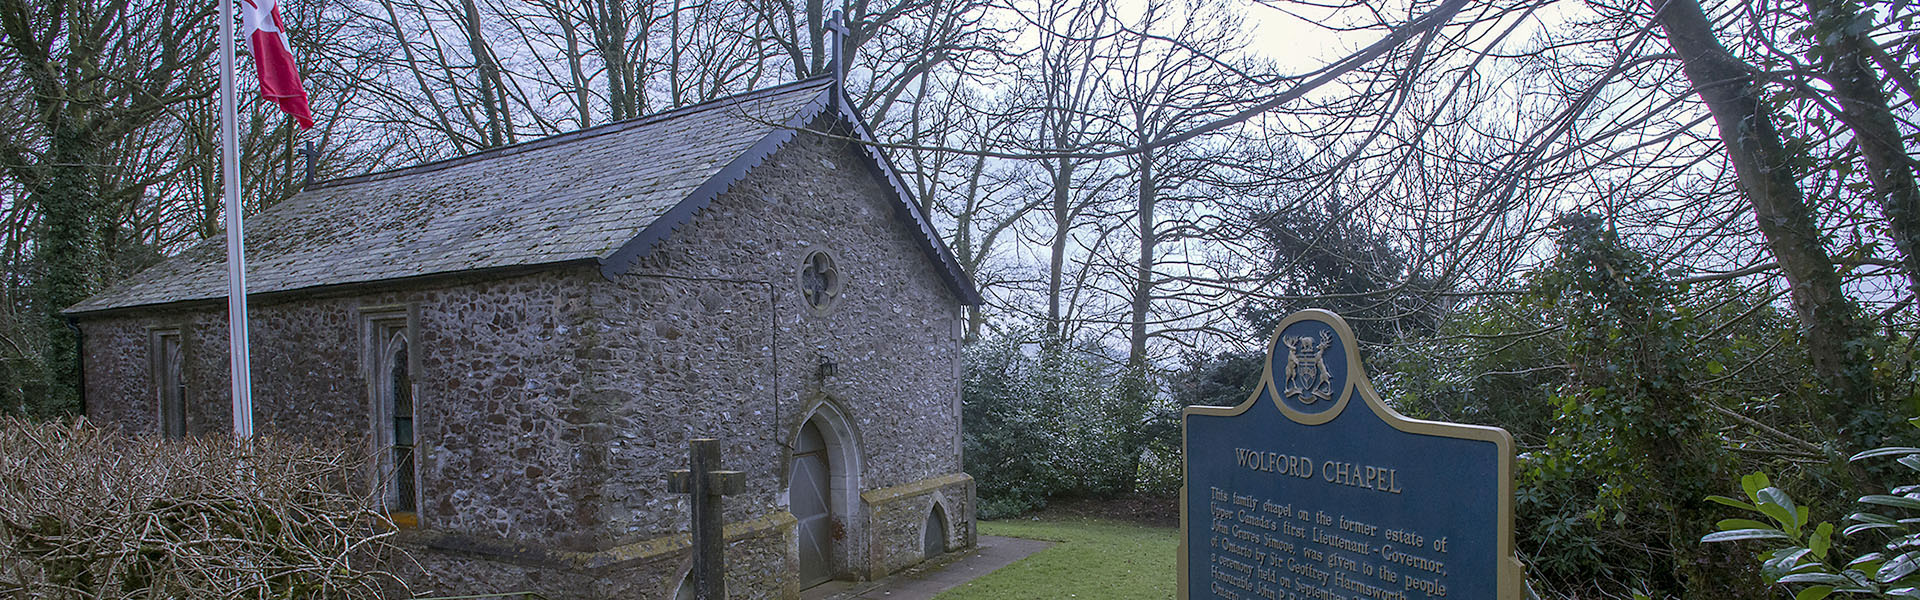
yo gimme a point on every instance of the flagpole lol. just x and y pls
(238, 358)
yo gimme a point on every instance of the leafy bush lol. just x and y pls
(1812, 559)
(1616, 408)
(87, 512)
(1045, 420)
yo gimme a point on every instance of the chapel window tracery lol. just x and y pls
(391, 385)
(820, 281)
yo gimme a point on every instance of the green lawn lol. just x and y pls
(1093, 559)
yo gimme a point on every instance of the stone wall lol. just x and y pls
(713, 335)
(493, 384)
(900, 518)
(117, 375)
(760, 556)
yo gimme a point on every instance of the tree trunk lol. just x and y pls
(1864, 109)
(493, 102)
(1062, 228)
(67, 255)
(610, 35)
(576, 72)
(1836, 337)
(1143, 269)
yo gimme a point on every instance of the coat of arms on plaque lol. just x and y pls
(1308, 380)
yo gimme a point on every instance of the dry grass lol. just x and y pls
(86, 512)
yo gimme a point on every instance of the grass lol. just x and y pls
(1093, 559)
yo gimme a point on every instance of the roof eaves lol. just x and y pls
(330, 289)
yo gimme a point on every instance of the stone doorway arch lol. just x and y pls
(933, 533)
(823, 493)
(684, 591)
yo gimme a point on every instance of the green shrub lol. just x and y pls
(1809, 558)
(1045, 420)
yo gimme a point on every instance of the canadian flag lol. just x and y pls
(273, 59)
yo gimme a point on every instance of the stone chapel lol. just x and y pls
(527, 337)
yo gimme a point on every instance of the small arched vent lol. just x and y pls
(934, 537)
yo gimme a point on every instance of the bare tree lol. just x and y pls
(1753, 143)
(94, 74)
(1172, 74)
(1060, 86)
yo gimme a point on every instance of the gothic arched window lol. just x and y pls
(390, 383)
(398, 397)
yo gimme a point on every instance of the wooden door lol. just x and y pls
(808, 487)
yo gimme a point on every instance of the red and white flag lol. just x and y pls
(273, 58)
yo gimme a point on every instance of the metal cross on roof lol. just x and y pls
(313, 156)
(837, 25)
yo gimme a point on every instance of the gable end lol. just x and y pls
(629, 253)
(905, 209)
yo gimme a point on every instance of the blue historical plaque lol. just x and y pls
(1314, 489)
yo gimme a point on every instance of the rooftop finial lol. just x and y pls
(837, 25)
(312, 157)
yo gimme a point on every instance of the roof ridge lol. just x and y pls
(577, 134)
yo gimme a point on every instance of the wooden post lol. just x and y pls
(704, 480)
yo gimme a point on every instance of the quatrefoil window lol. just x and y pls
(820, 281)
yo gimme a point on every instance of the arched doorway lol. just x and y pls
(685, 590)
(809, 481)
(933, 541)
(823, 494)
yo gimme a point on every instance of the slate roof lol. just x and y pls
(605, 194)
